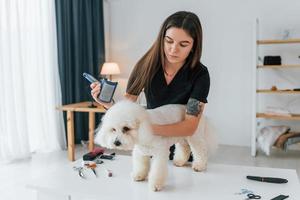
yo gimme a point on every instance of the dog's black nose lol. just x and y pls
(117, 143)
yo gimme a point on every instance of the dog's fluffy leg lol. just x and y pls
(182, 153)
(199, 151)
(158, 172)
(141, 165)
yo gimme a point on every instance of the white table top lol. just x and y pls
(218, 182)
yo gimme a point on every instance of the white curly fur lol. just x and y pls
(138, 136)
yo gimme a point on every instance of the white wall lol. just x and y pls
(228, 48)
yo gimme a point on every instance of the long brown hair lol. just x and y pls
(149, 64)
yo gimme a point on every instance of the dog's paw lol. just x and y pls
(199, 166)
(138, 176)
(155, 187)
(178, 162)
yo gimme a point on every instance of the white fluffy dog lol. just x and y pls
(126, 126)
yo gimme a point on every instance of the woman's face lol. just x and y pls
(177, 45)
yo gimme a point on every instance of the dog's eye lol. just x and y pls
(113, 130)
(125, 129)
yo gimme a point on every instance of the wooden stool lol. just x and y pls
(80, 107)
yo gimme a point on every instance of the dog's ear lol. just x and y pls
(100, 137)
(135, 124)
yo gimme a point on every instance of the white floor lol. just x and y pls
(14, 176)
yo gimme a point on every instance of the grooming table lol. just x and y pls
(218, 182)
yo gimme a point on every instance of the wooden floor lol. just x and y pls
(14, 176)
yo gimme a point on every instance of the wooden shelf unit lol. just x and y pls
(257, 115)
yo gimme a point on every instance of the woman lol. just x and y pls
(171, 73)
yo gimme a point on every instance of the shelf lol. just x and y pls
(278, 91)
(268, 116)
(278, 66)
(288, 41)
(288, 47)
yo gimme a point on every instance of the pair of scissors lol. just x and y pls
(253, 196)
(244, 191)
(92, 167)
(80, 171)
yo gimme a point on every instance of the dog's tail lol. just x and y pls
(210, 136)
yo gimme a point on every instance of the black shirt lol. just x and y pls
(187, 83)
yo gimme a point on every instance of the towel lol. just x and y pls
(268, 135)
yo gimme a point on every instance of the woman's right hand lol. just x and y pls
(96, 88)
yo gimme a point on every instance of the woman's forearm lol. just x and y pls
(184, 128)
(108, 105)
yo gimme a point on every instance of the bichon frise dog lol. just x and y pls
(126, 126)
